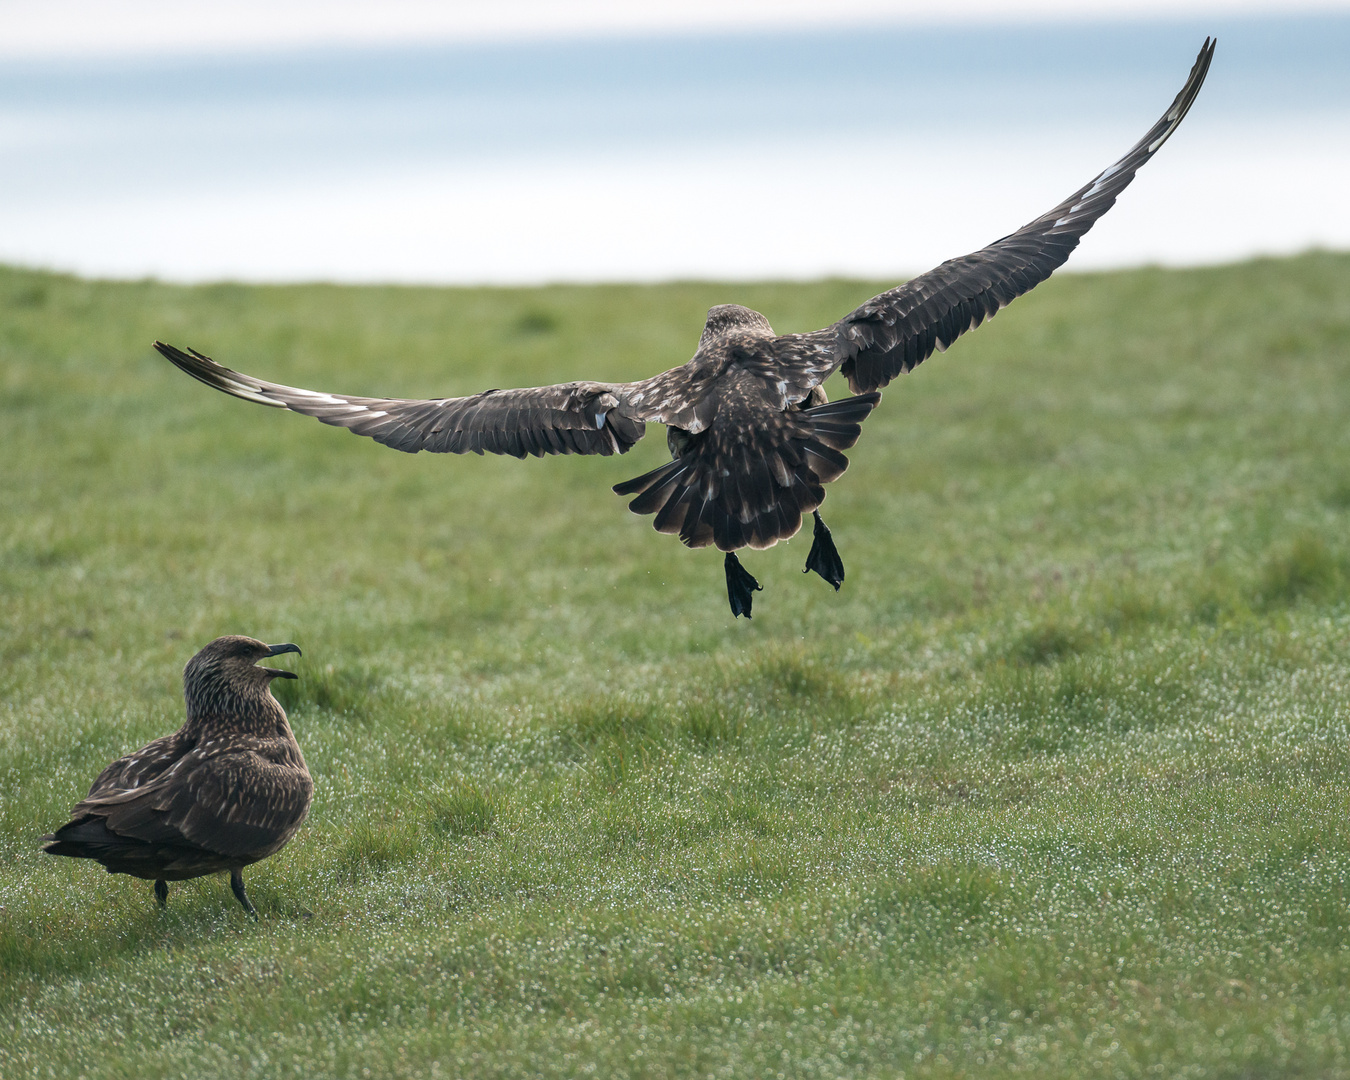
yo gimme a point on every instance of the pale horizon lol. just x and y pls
(787, 154)
(55, 29)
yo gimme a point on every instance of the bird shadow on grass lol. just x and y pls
(55, 937)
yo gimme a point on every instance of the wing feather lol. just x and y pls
(204, 811)
(569, 418)
(896, 331)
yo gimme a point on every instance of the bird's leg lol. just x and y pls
(162, 892)
(741, 586)
(824, 558)
(237, 885)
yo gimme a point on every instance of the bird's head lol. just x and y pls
(729, 318)
(227, 671)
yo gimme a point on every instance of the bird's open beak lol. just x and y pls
(277, 650)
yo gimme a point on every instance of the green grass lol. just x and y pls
(1059, 784)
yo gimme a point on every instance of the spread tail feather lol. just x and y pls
(743, 485)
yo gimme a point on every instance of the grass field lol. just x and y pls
(1056, 785)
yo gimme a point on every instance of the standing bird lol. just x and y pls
(752, 435)
(225, 790)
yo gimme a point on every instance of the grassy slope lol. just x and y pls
(1059, 779)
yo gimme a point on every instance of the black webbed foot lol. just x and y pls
(162, 892)
(237, 885)
(824, 558)
(741, 586)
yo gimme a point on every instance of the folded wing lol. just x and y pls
(205, 812)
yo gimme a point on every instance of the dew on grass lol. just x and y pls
(568, 820)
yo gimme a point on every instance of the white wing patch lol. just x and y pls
(326, 399)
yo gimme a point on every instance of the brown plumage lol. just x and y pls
(225, 790)
(752, 436)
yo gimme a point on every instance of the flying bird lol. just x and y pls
(752, 436)
(227, 789)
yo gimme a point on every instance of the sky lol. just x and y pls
(525, 142)
(37, 28)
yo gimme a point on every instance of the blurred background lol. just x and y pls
(525, 142)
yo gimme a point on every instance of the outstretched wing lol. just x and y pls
(894, 332)
(570, 418)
